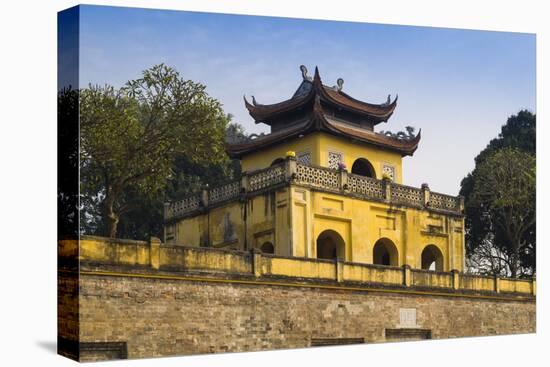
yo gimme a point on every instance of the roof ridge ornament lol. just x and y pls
(407, 135)
(304, 73)
(388, 101)
(339, 85)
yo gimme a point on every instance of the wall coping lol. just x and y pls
(123, 256)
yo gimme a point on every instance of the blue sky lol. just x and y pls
(459, 86)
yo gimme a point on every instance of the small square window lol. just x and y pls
(334, 159)
(389, 170)
(304, 158)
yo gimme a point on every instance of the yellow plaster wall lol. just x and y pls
(154, 255)
(263, 159)
(124, 252)
(298, 268)
(361, 223)
(191, 231)
(319, 144)
(293, 218)
(225, 226)
(352, 151)
(283, 232)
(260, 222)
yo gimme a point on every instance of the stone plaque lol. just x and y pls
(407, 317)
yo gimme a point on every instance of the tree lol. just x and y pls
(145, 218)
(130, 138)
(486, 253)
(518, 132)
(67, 163)
(504, 196)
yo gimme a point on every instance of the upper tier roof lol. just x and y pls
(319, 120)
(308, 90)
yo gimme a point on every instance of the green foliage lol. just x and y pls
(500, 197)
(131, 137)
(67, 163)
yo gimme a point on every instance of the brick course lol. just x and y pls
(160, 317)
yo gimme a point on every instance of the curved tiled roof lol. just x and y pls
(374, 112)
(318, 120)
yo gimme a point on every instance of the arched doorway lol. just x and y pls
(277, 161)
(363, 167)
(330, 245)
(432, 258)
(267, 248)
(385, 253)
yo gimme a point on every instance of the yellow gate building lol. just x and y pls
(324, 185)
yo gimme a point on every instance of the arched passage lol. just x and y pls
(432, 258)
(385, 253)
(330, 245)
(363, 167)
(277, 161)
(267, 248)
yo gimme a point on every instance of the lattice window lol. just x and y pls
(334, 159)
(389, 170)
(304, 158)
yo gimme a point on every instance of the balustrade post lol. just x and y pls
(166, 210)
(256, 262)
(204, 197)
(461, 203)
(456, 279)
(497, 284)
(425, 193)
(387, 189)
(407, 275)
(244, 182)
(533, 286)
(290, 167)
(154, 252)
(343, 179)
(339, 270)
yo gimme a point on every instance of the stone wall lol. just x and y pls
(163, 316)
(133, 299)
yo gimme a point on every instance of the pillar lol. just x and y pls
(154, 252)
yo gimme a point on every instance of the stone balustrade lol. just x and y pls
(316, 178)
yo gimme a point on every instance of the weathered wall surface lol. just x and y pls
(131, 299)
(159, 317)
